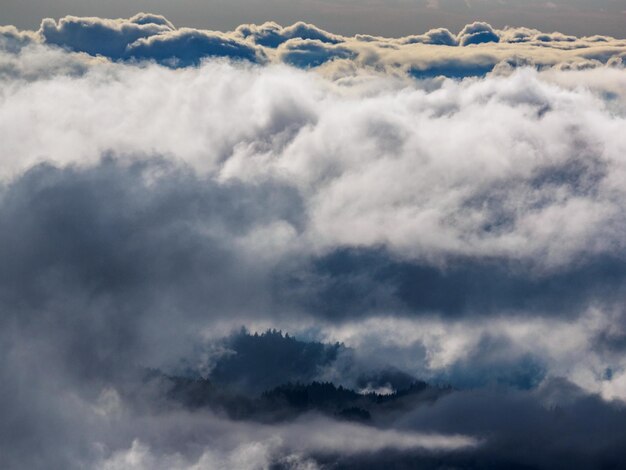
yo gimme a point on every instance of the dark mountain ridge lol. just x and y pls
(289, 400)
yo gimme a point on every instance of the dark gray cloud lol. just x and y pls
(100, 36)
(143, 37)
(185, 47)
(534, 431)
(477, 33)
(99, 260)
(312, 53)
(100, 263)
(273, 35)
(519, 429)
(350, 282)
(120, 265)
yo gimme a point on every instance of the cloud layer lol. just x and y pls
(477, 49)
(446, 207)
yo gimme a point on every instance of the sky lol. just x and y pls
(312, 242)
(380, 17)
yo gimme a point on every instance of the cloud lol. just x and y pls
(99, 36)
(439, 36)
(185, 47)
(354, 439)
(538, 180)
(560, 438)
(13, 40)
(531, 433)
(345, 282)
(437, 52)
(505, 350)
(143, 37)
(162, 186)
(477, 33)
(272, 35)
(311, 53)
(92, 256)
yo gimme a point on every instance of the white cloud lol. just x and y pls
(434, 347)
(286, 444)
(534, 171)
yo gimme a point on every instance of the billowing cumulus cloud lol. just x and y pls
(100, 36)
(142, 37)
(477, 33)
(273, 35)
(539, 178)
(437, 221)
(477, 49)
